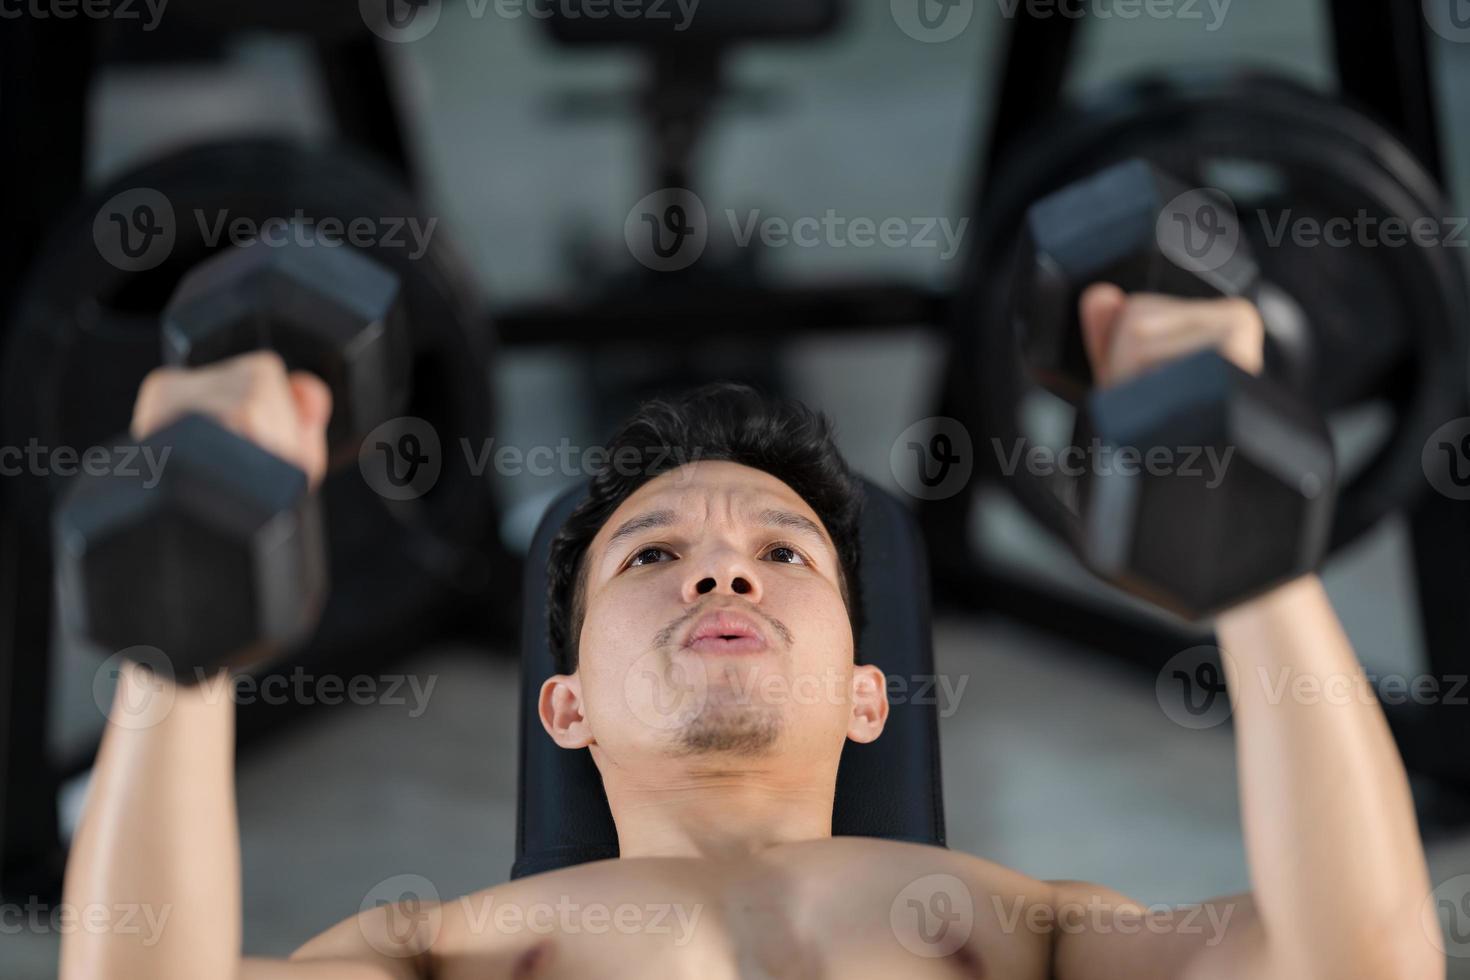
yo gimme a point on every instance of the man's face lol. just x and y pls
(714, 626)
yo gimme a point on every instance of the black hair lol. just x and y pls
(718, 421)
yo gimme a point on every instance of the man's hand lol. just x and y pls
(253, 396)
(1128, 335)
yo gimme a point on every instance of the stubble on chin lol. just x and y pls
(731, 726)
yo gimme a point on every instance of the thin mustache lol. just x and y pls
(666, 636)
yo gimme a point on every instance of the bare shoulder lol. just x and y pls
(408, 936)
(1099, 931)
(1078, 929)
(404, 936)
(1069, 929)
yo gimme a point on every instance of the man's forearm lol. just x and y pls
(159, 834)
(1336, 862)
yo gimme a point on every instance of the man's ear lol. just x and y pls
(560, 708)
(869, 703)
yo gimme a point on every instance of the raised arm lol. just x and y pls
(1338, 874)
(159, 832)
(1337, 866)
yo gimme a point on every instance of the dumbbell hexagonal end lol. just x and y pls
(1235, 460)
(324, 308)
(219, 503)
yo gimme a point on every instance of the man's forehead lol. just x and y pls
(712, 487)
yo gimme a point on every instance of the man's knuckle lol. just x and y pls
(264, 365)
(155, 383)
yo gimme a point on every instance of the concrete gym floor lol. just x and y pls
(1057, 761)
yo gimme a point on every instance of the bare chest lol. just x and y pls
(803, 920)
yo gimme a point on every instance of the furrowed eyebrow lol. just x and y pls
(794, 522)
(767, 518)
(643, 522)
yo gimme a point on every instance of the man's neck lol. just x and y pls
(717, 813)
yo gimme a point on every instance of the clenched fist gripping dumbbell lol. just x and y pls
(233, 526)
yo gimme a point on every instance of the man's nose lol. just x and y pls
(728, 574)
(738, 585)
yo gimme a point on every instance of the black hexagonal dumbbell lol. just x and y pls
(223, 558)
(1202, 484)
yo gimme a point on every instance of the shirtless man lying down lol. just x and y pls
(737, 573)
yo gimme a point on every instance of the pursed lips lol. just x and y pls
(725, 631)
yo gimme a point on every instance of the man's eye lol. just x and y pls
(638, 556)
(785, 554)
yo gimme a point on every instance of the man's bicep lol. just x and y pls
(1101, 934)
